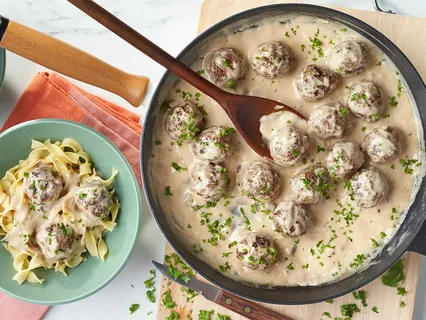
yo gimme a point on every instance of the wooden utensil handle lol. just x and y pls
(68, 60)
(149, 48)
(247, 308)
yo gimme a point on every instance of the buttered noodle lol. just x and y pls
(42, 223)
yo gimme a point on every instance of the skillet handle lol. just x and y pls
(247, 308)
(68, 60)
(418, 244)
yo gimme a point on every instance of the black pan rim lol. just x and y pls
(352, 22)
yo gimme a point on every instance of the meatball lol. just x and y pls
(93, 199)
(256, 251)
(314, 82)
(272, 59)
(208, 180)
(382, 144)
(288, 145)
(365, 100)
(258, 181)
(309, 185)
(224, 67)
(213, 144)
(330, 121)
(343, 159)
(184, 122)
(290, 218)
(349, 58)
(42, 184)
(368, 187)
(57, 241)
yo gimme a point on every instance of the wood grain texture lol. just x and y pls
(247, 308)
(404, 32)
(75, 63)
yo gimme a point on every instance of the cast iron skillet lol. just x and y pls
(411, 236)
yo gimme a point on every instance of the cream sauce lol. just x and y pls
(328, 250)
(30, 218)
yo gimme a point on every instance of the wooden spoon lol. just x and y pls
(244, 111)
(70, 61)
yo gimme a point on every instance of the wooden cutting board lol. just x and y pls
(405, 33)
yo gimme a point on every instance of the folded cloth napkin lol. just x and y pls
(51, 96)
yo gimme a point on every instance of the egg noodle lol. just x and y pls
(20, 219)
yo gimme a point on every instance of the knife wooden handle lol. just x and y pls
(68, 60)
(247, 308)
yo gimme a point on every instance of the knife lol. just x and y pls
(238, 305)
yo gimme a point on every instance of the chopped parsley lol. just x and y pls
(394, 275)
(348, 310)
(205, 315)
(344, 29)
(201, 71)
(363, 129)
(399, 88)
(407, 165)
(374, 309)
(358, 261)
(177, 167)
(190, 131)
(230, 84)
(173, 316)
(226, 254)
(82, 195)
(150, 286)
(382, 235)
(167, 191)
(157, 142)
(178, 268)
(302, 46)
(232, 244)
(246, 219)
(320, 149)
(224, 268)
(401, 291)
(290, 266)
(374, 243)
(326, 314)
(190, 294)
(222, 317)
(392, 101)
(305, 266)
(361, 295)
(287, 34)
(402, 304)
(329, 301)
(26, 174)
(167, 299)
(133, 308)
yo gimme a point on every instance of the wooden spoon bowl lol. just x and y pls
(244, 111)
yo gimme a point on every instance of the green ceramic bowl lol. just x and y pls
(93, 274)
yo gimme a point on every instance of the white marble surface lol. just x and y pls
(171, 24)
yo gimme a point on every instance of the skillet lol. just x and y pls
(411, 236)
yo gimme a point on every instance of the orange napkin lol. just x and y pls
(51, 96)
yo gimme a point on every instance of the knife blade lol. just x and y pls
(207, 291)
(236, 304)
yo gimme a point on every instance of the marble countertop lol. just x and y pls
(170, 24)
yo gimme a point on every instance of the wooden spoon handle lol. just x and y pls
(68, 60)
(149, 48)
(247, 308)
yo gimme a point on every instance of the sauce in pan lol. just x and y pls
(226, 209)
